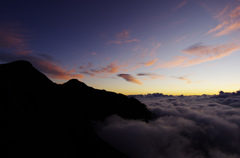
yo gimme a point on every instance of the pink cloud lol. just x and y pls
(147, 51)
(151, 75)
(177, 61)
(209, 53)
(156, 44)
(235, 13)
(200, 53)
(229, 29)
(123, 37)
(55, 71)
(222, 13)
(130, 78)
(111, 68)
(180, 39)
(141, 64)
(180, 5)
(229, 21)
(11, 38)
(47, 67)
(123, 41)
(149, 63)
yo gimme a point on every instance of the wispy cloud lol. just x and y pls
(184, 78)
(145, 64)
(177, 61)
(111, 68)
(204, 53)
(222, 13)
(151, 75)
(143, 52)
(180, 39)
(123, 41)
(46, 66)
(12, 38)
(149, 63)
(130, 78)
(229, 21)
(200, 53)
(14, 41)
(180, 5)
(123, 37)
(93, 53)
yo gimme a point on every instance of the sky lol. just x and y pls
(175, 47)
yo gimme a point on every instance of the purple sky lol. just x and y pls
(130, 47)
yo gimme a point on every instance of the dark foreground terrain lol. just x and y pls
(42, 119)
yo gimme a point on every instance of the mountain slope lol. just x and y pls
(42, 119)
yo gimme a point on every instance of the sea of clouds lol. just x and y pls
(185, 127)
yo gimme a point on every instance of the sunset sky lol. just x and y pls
(173, 47)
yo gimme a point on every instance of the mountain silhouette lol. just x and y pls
(40, 118)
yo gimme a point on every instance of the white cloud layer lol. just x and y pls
(186, 127)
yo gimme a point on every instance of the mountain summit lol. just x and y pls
(40, 118)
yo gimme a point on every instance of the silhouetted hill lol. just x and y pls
(42, 119)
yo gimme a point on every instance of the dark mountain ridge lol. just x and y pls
(40, 118)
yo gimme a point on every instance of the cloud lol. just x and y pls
(42, 64)
(222, 13)
(156, 45)
(45, 56)
(12, 38)
(123, 41)
(146, 51)
(184, 79)
(208, 53)
(13, 41)
(130, 78)
(149, 63)
(123, 37)
(199, 53)
(229, 21)
(111, 68)
(180, 5)
(151, 75)
(180, 39)
(177, 61)
(93, 53)
(185, 127)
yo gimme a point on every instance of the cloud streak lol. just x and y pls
(151, 75)
(15, 43)
(184, 78)
(48, 67)
(229, 21)
(123, 37)
(149, 63)
(199, 53)
(180, 39)
(12, 39)
(111, 68)
(209, 53)
(130, 78)
(177, 61)
(180, 5)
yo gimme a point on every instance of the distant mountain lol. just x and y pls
(40, 118)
